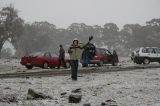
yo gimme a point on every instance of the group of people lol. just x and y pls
(75, 53)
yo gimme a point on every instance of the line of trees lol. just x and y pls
(40, 36)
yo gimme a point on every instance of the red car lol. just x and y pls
(103, 56)
(42, 59)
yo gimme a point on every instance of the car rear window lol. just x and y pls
(98, 51)
(157, 50)
(102, 51)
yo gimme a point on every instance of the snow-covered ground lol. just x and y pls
(129, 88)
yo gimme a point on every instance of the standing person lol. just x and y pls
(85, 57)
(61, 56)
(115, 58)
(75, 52)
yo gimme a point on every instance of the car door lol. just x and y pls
(157, 50)
(109, 56)
(54, 59)
(47, 56)
(152, 54)
(103, 55)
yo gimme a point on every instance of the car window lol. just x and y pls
(37, 54)
(98, 51)
(157, 50)
(47, 55)
(103, 51)
(107, 52)
(150, 50)
(53, 55)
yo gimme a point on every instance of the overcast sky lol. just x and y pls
(64, 12)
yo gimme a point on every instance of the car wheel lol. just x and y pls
(84, 65)
(138, 62)
(52, 67)
(45, 65)
(115, 64)
(68, 65)
(146, 61)
(100, 63)
(29, 67)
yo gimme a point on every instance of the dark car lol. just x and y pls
(42, 59)
(103, 56)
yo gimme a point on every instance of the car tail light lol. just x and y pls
(95, 56)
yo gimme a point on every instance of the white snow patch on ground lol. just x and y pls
(129, 88)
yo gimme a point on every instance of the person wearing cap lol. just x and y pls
(61, 56)
(75, 52)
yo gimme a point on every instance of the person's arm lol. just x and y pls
(90, 38)
(69, 50)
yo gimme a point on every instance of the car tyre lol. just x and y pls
(52, 67)
(146, 61)
(29, 67)
(84, 65)
(45, 65)
(115, 64)
(100, 63)
(138, 62)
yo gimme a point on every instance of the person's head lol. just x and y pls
(60, 46)
(75, 41)
(114, 52)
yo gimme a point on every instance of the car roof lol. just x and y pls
(150, 47)
(44, 52)
(102, 48)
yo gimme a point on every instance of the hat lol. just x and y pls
(75, 39)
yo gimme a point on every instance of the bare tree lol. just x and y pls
(10, 25)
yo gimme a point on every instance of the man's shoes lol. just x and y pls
(74, 79)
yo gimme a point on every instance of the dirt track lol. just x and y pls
(62, 72)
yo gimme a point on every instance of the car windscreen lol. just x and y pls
(54, 55)
(37, 54)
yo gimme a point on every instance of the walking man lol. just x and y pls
(61, 56)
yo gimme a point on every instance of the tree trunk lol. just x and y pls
(0, 49)
(1, 45)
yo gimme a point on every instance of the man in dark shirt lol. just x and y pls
(61, 56)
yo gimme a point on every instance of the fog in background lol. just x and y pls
(41, 25)
(91, 12)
